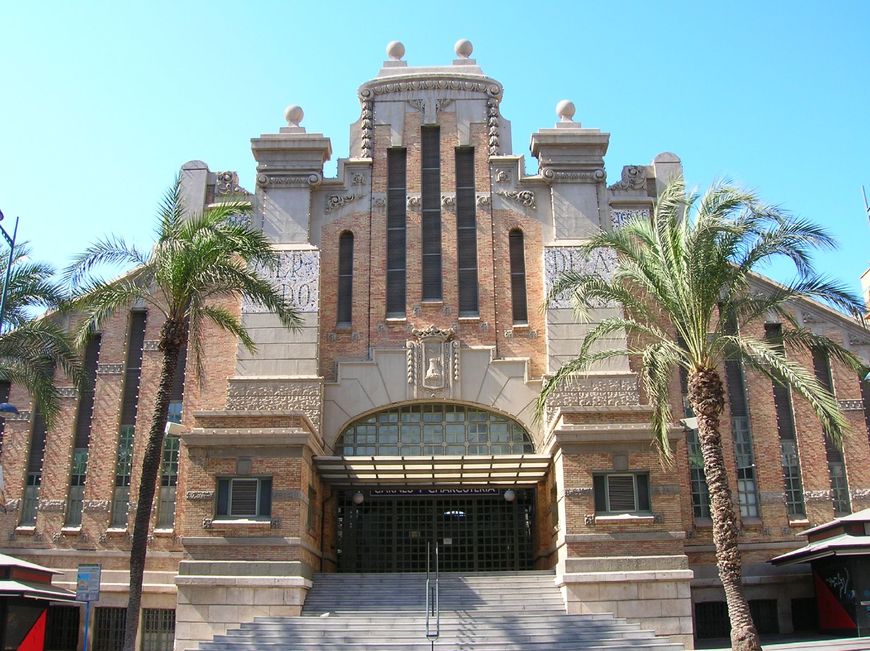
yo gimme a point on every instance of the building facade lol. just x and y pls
(403, 410)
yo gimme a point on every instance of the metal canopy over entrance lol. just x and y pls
(387, 530)
(488, 470)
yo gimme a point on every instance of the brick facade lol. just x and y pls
(241, 419)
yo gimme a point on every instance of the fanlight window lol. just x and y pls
(434, 429)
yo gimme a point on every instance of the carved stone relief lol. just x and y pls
(273, 395)
(296, 278)
(523, 197)
(367, 129)
(633, 178)
(199, 496)
(483, 200)
(227, 183)
(559, 259)
(51, 506)
(851, 405)
(67, 392)
(336, 201)
(619, 217)
(433, 362)
(414, 201)
(595, 391)
(109, 369)
(492, 124)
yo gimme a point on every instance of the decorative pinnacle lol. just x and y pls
(395, 50)
(463, 48)
(565, 110)
(293, 114)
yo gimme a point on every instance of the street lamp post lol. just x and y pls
(11, 242)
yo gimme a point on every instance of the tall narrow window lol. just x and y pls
(345, 279)
(430, 191)
(791, 469)
(836, 464)
(84, 414)
(169, 469)
(129, 408)
(4, 397)
(747, 488)
(697, 479)
(396, 225)
(466, 232)
(34, 469)
(518, 277)
(865, 399)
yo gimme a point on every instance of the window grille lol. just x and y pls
(434, 429)
(430, 199)
(621, 493)
(84, 416)
(345, 279)
(466, 232)
(396, 225)
(765, 616)
(519, 305)
(711, 619)
(109, 629)
(158, 629)
(62, 628)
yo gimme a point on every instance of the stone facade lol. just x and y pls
(275, 413)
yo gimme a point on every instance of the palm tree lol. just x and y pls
(685, 279)
(31, 348)
(196, 261)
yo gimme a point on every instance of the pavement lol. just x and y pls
(792, 643)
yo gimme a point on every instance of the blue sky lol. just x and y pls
(101, 102)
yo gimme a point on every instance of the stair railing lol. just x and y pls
(433, 609)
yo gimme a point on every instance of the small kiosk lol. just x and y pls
(25, 594)
(839, 554)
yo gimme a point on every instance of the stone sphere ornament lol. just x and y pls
(395, 50)
(463, 48)
(565, 110)
(294, 114)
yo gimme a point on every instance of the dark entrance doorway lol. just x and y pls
(477, 530)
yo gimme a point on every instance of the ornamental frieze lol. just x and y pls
(227, 183)
(96, 506)
(851, 405)
(109, 369)
(296, 278)
(277, 395)
(416, 85)
(289, 180)
(594, 391)
(51, 506)
(574, 176)
(199, 496)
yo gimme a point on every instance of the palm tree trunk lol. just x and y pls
(707, 397)
(173, 336)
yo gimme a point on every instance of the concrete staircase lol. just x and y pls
(501, 611)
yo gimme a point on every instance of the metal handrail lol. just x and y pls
(433, 608)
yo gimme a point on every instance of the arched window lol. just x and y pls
(433, 429)
(518, 277)
(345, 278)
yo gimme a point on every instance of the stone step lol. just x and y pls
(482, 612)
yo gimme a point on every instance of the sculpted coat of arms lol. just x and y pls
(433, 362)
